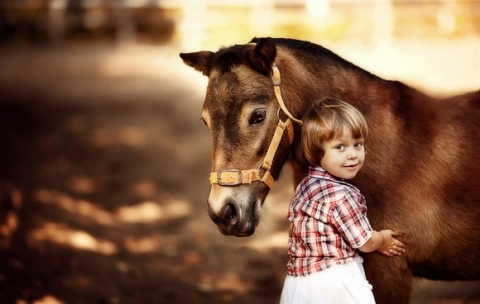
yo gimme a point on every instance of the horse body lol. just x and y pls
(420, 177)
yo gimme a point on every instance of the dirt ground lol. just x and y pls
(103, 186)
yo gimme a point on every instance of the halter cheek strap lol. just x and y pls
(276, 86)
(233, 177)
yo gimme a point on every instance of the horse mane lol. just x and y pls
(318, 52)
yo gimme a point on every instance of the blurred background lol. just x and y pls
(104, 161)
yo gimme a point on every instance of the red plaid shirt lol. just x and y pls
(328, 222)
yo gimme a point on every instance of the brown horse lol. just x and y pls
(421, 176)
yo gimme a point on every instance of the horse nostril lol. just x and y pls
(229, 213)
(226, 216)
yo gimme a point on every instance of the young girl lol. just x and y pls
(328, 215)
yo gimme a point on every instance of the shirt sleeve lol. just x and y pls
(350, 218)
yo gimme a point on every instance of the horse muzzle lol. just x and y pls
(232, 219)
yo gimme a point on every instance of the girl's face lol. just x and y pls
(343, 157)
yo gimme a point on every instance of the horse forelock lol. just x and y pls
(227, 58)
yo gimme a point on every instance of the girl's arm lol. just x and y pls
(384, 242)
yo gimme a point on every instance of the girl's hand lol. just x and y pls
(390, 245)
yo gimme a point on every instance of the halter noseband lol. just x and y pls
(233, 177)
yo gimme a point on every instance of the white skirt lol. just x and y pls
(341, 284)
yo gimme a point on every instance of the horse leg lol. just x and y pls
(390, 277)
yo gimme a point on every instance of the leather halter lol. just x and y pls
(233, 177)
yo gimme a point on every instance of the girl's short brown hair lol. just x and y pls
(323, 122)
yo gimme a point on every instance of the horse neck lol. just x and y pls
(340, 79)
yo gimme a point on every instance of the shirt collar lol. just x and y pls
(320, 173)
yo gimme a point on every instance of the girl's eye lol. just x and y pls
(258, 116)
(358, 144)
(339, 147)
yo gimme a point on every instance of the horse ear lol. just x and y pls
(200, 61)
(263, 55)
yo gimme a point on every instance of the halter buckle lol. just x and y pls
(229, 178)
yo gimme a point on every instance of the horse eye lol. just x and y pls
(258, 116)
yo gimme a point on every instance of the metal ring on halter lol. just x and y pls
(278, 113)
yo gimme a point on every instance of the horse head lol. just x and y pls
(251, 129)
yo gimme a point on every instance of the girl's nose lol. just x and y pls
(352, 154)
